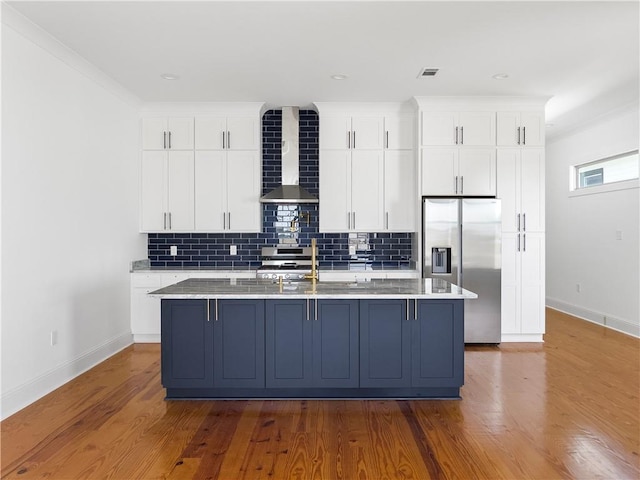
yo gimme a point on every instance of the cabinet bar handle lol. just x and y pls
(415, 309)
(456, 135)
(524, 222)
(307, 309)
(461, 184)
(169, 220)
(518, 222)
(164, 226)
(348, 139)
(216, 309)
(518, 135)
(228, 139)
(229, 222)
(169, 139)
(524, 135)
(223, 141)
(208, 310)
(461, 135)
(354, 139)
(407, 309)
(349, 220)
(315, 303)
(455, 184)
(524, 242)
(354, 220)
(387, 138)
(387, 221)
(164, 140)
(518, 242)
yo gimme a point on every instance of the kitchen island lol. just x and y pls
(247, 338)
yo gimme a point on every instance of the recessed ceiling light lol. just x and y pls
(339, 76)
(501, 76)
(428, 72)
(169, 76)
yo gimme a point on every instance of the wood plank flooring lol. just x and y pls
(568, 408)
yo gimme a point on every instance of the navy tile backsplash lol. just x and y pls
(388, 250)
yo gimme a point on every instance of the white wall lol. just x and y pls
(69, 216)
(581, 230)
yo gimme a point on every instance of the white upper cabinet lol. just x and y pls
(227, 133)
(367, 168)
(338, 132)
(458, 128)
(167, 133)
(525, 129)
(167, 196)
(201, 173)
(458, 172)
(399, 191)
(227, 191)
(399, 132)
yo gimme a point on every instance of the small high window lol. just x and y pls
(619, 168)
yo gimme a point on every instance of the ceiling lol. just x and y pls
(584, 56)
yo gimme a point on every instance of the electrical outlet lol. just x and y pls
(54, 337)
(174, 250)
(233, 249)
(352, 249)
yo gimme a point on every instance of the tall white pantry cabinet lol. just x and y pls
(494, 146)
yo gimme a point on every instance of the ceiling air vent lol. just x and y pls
(428, 72)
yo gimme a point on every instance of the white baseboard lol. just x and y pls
(146, 338)
(19, 397)
(593, 316)
(521, 337)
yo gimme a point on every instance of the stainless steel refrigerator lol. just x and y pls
(462, 244)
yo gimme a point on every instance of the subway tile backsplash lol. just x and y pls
(282, 222)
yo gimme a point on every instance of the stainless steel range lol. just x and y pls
(289, 262)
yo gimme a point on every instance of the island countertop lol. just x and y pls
(205, 288)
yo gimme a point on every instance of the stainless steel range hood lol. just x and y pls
(290, 191)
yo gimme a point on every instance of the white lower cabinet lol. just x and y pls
(523, 287)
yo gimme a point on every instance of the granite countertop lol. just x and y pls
(204, 288)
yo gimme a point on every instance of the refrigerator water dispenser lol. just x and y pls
(441, 260)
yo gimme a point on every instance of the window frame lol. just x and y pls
(575, 177)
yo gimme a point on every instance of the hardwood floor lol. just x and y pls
(568, 408)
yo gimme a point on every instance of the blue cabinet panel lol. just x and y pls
(438, 344)
(385, 344)
(335, 344)
(187, 344)
(288, 344)
(239, 344)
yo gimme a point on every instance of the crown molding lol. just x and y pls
(23, 26)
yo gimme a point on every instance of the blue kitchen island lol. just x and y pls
(256, 339)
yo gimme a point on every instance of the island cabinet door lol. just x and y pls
(187, 344)
(437, 353)
(335, 343)
(385, 344)
(238, 354)
(288, 348)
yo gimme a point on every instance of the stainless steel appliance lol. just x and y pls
(462, 244)
(289, 262)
